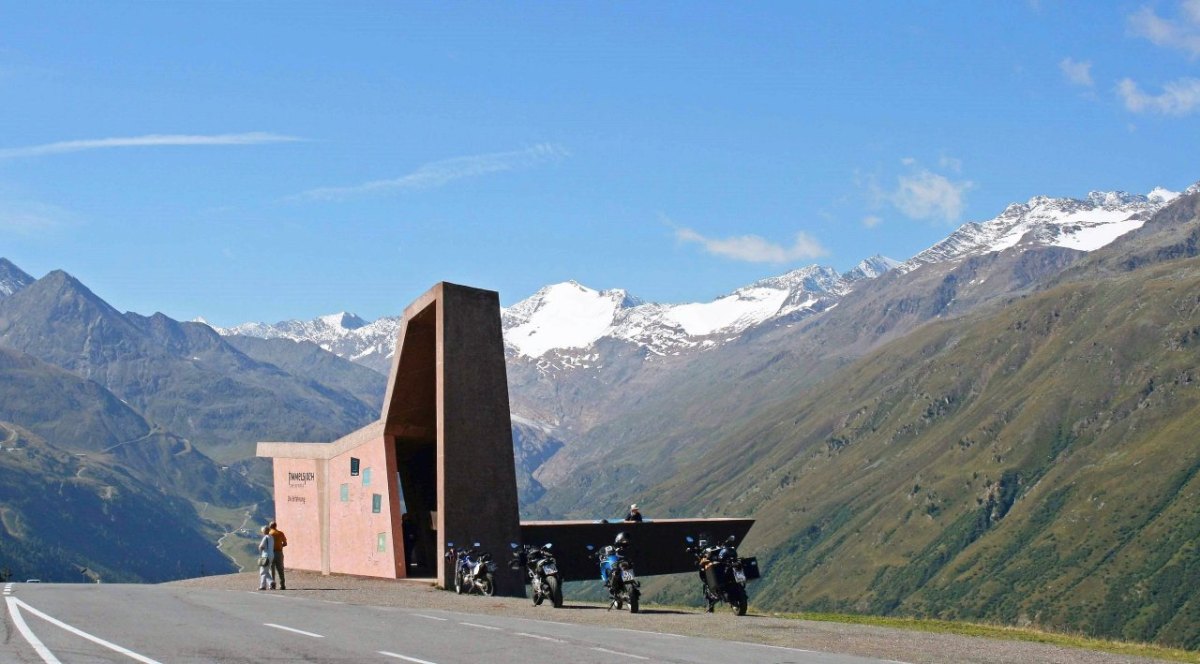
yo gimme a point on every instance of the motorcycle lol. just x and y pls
(723, 573)
(545, 581)
(474, 570)
(617, 573)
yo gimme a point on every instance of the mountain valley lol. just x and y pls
(995, 429)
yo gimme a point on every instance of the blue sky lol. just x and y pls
(265, 161)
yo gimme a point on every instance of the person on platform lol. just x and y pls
(266, 554)
(277, 560)
(634, 514)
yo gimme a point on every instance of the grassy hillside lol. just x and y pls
(71, 518)
(1032, 465)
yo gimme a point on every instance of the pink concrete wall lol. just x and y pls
(297, 511)
(354, 528)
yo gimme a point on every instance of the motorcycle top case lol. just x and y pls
(750, 567)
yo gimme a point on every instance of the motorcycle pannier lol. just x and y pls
(750, 567)
(710, 577)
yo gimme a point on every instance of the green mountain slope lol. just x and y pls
(71, 518)
(82, 417)
(695, 403)
(1035, 464)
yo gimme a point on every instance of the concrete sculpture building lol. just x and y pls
(437, 467)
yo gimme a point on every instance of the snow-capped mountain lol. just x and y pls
(1083, 224)
(12, 278)
(561, 322)
(871, 268)
(562, 325)
(343, 334)
(567, 318)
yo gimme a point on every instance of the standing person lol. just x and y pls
(634, 514)
(266, 549)
(277, 561)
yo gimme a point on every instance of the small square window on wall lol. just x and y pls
(376, 503)
(345, 493)
(353, 467)
(366, 475)
(381, 542)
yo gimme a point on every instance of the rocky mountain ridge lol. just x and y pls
(12, 278)
(561, 325)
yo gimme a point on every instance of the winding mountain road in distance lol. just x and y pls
(71, 623)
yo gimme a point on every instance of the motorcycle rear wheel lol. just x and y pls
(555, 591)
(633, 601)
(737, 600)
(458, 583)
(487, 585)
(537, 598)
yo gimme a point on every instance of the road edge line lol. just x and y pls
(38, 647)
(79, 632)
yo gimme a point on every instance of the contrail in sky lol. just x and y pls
(151, 140)
(438, 173)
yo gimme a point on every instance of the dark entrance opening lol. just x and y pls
(412, 426)
(417, 467)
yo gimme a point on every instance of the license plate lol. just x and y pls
(549, 569)
(626, 575)
(739, 576)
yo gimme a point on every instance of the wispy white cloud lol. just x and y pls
(439, 173)
(1181, 34)
(1078, 73)
(755, 249)
(871, 221)
(923, 194)
(1178, 98)
(950, 163)
(151, 140)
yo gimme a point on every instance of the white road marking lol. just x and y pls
(407, 659)
(78, 632)
(763, 645)
(623, 654)
(538, 636)
(642, 631)
(422, 615)
(39, 647)
(547, 622)
(480, 626)
(293, 629)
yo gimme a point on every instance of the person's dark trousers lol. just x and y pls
(277, 568)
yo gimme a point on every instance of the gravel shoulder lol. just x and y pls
(880, 642)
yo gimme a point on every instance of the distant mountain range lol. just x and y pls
(996, 429)
(577, 356)
(121, 415)
(999, 428)
(561, 321)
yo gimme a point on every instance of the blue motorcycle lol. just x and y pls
(616, 571)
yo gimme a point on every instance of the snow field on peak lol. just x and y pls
(737, 311)
(1084, 225)
(570, 316)
(561, 323)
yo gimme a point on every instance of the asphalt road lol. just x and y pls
(77, 623)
